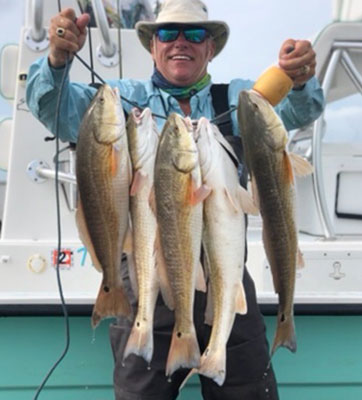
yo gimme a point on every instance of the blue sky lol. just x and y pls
(258, 28)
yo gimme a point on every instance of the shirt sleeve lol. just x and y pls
(302, 107)
(42, 95)
(298, 109)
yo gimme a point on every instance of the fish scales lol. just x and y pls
(172, 208)
(177, 175)
(278, 217)
(264, 138)
(224, 244)
(143, 140)
(103, 178)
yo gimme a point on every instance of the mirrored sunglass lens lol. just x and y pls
(195, 35)
(167, 35)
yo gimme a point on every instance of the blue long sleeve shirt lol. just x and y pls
(298, 109)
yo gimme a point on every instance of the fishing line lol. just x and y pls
(132, 103)
(222, 115)
(59, 233)
(119, 40)
(60, 288)
(90, 44)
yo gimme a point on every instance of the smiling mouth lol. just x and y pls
(180, 57)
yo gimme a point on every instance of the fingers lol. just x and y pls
(298, 60)
(82, 22)
(67, 35)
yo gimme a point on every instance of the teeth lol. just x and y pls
(181, 58)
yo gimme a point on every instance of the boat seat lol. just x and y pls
(8, 67)
(6, 124)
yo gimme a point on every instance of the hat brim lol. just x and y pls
(219, 31)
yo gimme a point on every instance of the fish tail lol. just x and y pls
(213, 365)
(184, 352)
(111, 302)
(285, 334)
(140, 341)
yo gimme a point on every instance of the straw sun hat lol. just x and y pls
(192, 12)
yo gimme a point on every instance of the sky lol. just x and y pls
(258, 28)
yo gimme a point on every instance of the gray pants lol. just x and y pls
(248, 374)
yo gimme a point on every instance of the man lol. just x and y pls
(182, 42)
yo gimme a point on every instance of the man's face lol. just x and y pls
(182, 62)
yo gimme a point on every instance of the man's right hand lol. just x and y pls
(73, 38)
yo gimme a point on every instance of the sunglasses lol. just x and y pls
(192, 34)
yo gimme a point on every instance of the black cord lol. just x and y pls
(64, 308)
(123, 98)
(222, 115)
(90, 44)
(59, 233)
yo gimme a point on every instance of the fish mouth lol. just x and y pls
(111, 123)
(113, 140)
(115, 92)
(187, 152)
(185, 160)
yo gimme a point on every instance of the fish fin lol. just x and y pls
(129, 168)
(246, 202)
(165, 287)
(115, 160)
(84, 235)
(229, 197)
(128, 241)
(300, 260)
(138, 182)
(132, 271)
(222, 141)
(285, 334)
(199, 195)
(184, 351)
(188, 376)
(209, 312)
(301, 166)
(269, 256)
(288, 168)
(152, 200)
(255, 192)
(206, 265)
(200, 279)
(140, 340)
(240, 300)
(213, 365)
(110, 302)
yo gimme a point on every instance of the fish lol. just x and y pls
(178, 195)
(103, 172)
(272, 170)
(223, 217)
(143, 138)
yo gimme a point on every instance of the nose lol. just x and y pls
(181, 40)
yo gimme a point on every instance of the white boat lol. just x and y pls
(329, 215)
(329, 204)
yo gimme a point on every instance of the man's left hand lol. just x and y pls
(298, 59)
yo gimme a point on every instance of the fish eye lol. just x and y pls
(101, 100)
